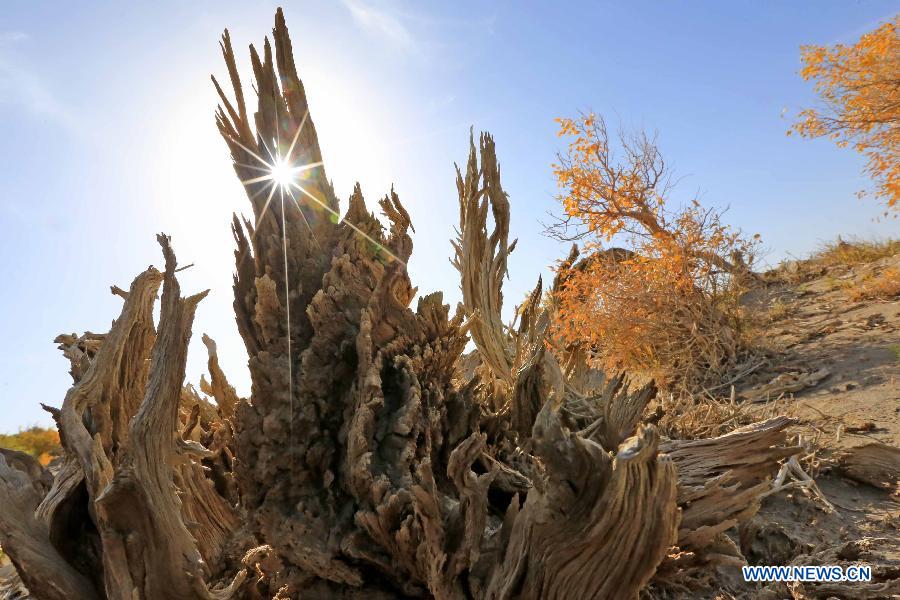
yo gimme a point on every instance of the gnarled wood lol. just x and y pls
(364, 465)
(595, 527)
(118, 511)
(26, 539)
(874, 463)
(721, 482)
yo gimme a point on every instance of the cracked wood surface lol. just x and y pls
(361, 465)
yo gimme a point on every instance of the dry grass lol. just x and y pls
(704, 415)
(833, 257)
(884, 285)
(777, 311)
(856, 252)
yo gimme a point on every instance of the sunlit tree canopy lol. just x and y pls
(860, 90)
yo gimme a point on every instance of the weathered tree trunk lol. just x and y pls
(27, 539)
(364, 464)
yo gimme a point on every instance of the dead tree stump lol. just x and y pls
(364, 465)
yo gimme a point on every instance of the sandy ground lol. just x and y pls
(844, 356)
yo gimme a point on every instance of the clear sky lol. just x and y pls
(106, 111)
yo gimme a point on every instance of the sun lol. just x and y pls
(282, 173)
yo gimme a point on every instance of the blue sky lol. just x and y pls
(108, 137)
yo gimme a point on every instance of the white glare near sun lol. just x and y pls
(281, 173)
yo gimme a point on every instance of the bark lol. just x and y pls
(595, 527)
(874, 463)
(481, 259)
(364, 465)
(721, 482)
(118, 512)
(26, 539)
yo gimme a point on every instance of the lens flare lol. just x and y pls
(282, 173)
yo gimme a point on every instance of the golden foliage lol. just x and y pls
(669, 305)
(860, 88)
(39, 442)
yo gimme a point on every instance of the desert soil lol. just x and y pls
(834, 364)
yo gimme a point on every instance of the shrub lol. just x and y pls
(39, 442)
(669, 304)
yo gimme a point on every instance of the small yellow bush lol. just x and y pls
(668, 306)
(41, 443)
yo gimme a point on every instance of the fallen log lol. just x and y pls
(874, 463)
